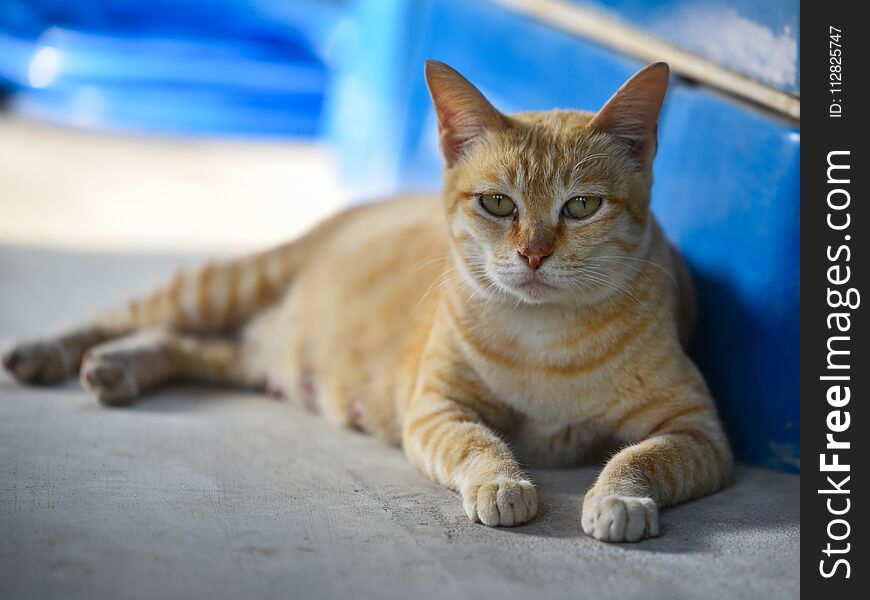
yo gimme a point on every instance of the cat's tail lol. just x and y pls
(218, 296)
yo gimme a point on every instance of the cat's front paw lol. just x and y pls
(502, 502)
(39, 361)
(111, 378)
(617, 518)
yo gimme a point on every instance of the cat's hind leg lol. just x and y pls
(122, 369)
(54, 359)
(217, 298)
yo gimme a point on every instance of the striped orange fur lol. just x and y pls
(479, 342)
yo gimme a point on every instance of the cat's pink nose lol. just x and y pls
(534, 256)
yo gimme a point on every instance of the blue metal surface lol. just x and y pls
(758, 39)
(726, 182)
(727, 193)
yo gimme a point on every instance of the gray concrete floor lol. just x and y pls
(198, 493)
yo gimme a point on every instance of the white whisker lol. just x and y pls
(655, 264)
(598, 276)
(634, 268)
(428, 261)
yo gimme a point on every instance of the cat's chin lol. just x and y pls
(534, 291)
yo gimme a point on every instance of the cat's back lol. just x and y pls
(376, 253)
(415, 223)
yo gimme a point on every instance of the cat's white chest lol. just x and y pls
(558, 421)
(525, 366)
(544, 397)
(547, 444)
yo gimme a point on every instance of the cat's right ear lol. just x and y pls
(464, 114)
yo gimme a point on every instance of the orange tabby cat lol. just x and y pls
(536, 314)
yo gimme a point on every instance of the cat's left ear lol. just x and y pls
(632, 113)
(464, 114)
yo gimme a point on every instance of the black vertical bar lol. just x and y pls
(835, 365)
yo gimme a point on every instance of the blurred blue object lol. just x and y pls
(238, 67)
(726, 178)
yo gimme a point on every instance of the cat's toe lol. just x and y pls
(110, 379)
(615, 518)
(501, 503)
(40, 362)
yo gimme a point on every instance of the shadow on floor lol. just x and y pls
(739, 508)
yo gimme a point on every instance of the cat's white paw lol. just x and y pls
(614, 518)
(503, 502)
(111, 378)
(41, 361)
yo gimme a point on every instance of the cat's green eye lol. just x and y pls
(581, 207)
(498, 205)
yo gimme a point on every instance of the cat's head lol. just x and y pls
(545, 206)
